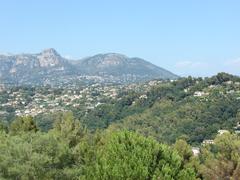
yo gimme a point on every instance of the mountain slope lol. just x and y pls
(117, 65)
(48, 67)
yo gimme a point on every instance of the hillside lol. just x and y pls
(184, 129)
(190, 108)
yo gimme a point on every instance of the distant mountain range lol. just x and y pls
(48, 67)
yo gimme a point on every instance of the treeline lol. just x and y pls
(69, 151)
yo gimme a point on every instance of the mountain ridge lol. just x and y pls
(49, 65)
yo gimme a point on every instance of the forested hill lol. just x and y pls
(190, 108)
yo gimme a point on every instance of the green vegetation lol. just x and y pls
(221, 160)
(190, 108)
(143, 131)
(69, 151)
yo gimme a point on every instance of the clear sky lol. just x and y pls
(188, 37)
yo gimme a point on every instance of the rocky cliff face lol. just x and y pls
(25, 62)
(50, 58)
(51, 67)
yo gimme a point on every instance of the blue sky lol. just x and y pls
(188, 37)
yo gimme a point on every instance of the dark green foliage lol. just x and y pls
(127, 155)
(171, 113)
(27, 154)
(69, 151)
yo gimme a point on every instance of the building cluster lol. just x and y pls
(38, 101)
(35, 101)
(196, 150)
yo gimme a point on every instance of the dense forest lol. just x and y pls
(190, 108)
(69, 151)
(143, 133)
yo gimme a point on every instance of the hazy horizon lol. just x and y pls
(185, 37)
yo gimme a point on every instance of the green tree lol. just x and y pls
(69, 128)
(183, 149)
(127, 155)
(23, 124)
(222, 159)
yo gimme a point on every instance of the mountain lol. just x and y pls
(117, 65)
(49, 67)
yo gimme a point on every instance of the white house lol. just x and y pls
(207, 141)
(199, 94)
(222, 131)
(195, 151)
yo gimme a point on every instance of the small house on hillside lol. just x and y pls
(195, 151)
(207, 141)
(199, 94)
(222, 131)
(237, 128)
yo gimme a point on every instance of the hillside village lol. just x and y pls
(24, 101)
(33, 101)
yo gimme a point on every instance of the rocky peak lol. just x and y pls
(109, 59)
(49, 57)
(50, 52)
(110, 67)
